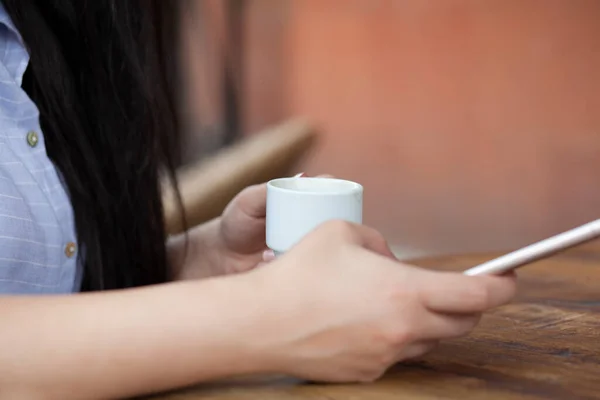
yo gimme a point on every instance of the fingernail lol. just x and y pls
(268, 255)
(300, 175)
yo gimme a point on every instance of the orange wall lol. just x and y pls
(473, 124)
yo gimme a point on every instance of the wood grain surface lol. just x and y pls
(546, 345)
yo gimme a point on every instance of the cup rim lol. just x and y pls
(352, 187)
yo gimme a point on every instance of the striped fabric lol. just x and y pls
(38, 254)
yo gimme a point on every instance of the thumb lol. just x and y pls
(252, 201)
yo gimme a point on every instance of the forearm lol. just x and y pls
(124, 343)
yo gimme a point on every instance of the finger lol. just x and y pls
(252, 201)
(373, 240)
(368, 238)
(445, 326)
(417, 349)
(458, 293)
(268, 256)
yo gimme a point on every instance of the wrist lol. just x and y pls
(196, 254)
(274, 309)
(253, 324)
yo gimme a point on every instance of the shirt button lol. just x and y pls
(70, 249)
(32, 139)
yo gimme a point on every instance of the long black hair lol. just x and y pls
(103, 74)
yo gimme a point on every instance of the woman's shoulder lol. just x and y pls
(36, 223)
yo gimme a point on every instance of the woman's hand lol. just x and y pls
(342, 308)
(241, 234)
(233, 243)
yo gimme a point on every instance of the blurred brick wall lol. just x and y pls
(473, 124)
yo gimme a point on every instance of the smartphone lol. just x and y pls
(537, 251)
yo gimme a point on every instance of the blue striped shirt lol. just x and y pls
(38, 251)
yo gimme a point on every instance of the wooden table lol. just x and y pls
(544, 346)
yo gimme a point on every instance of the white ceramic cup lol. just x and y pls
(296, 206)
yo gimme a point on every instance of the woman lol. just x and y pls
(87, 114)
